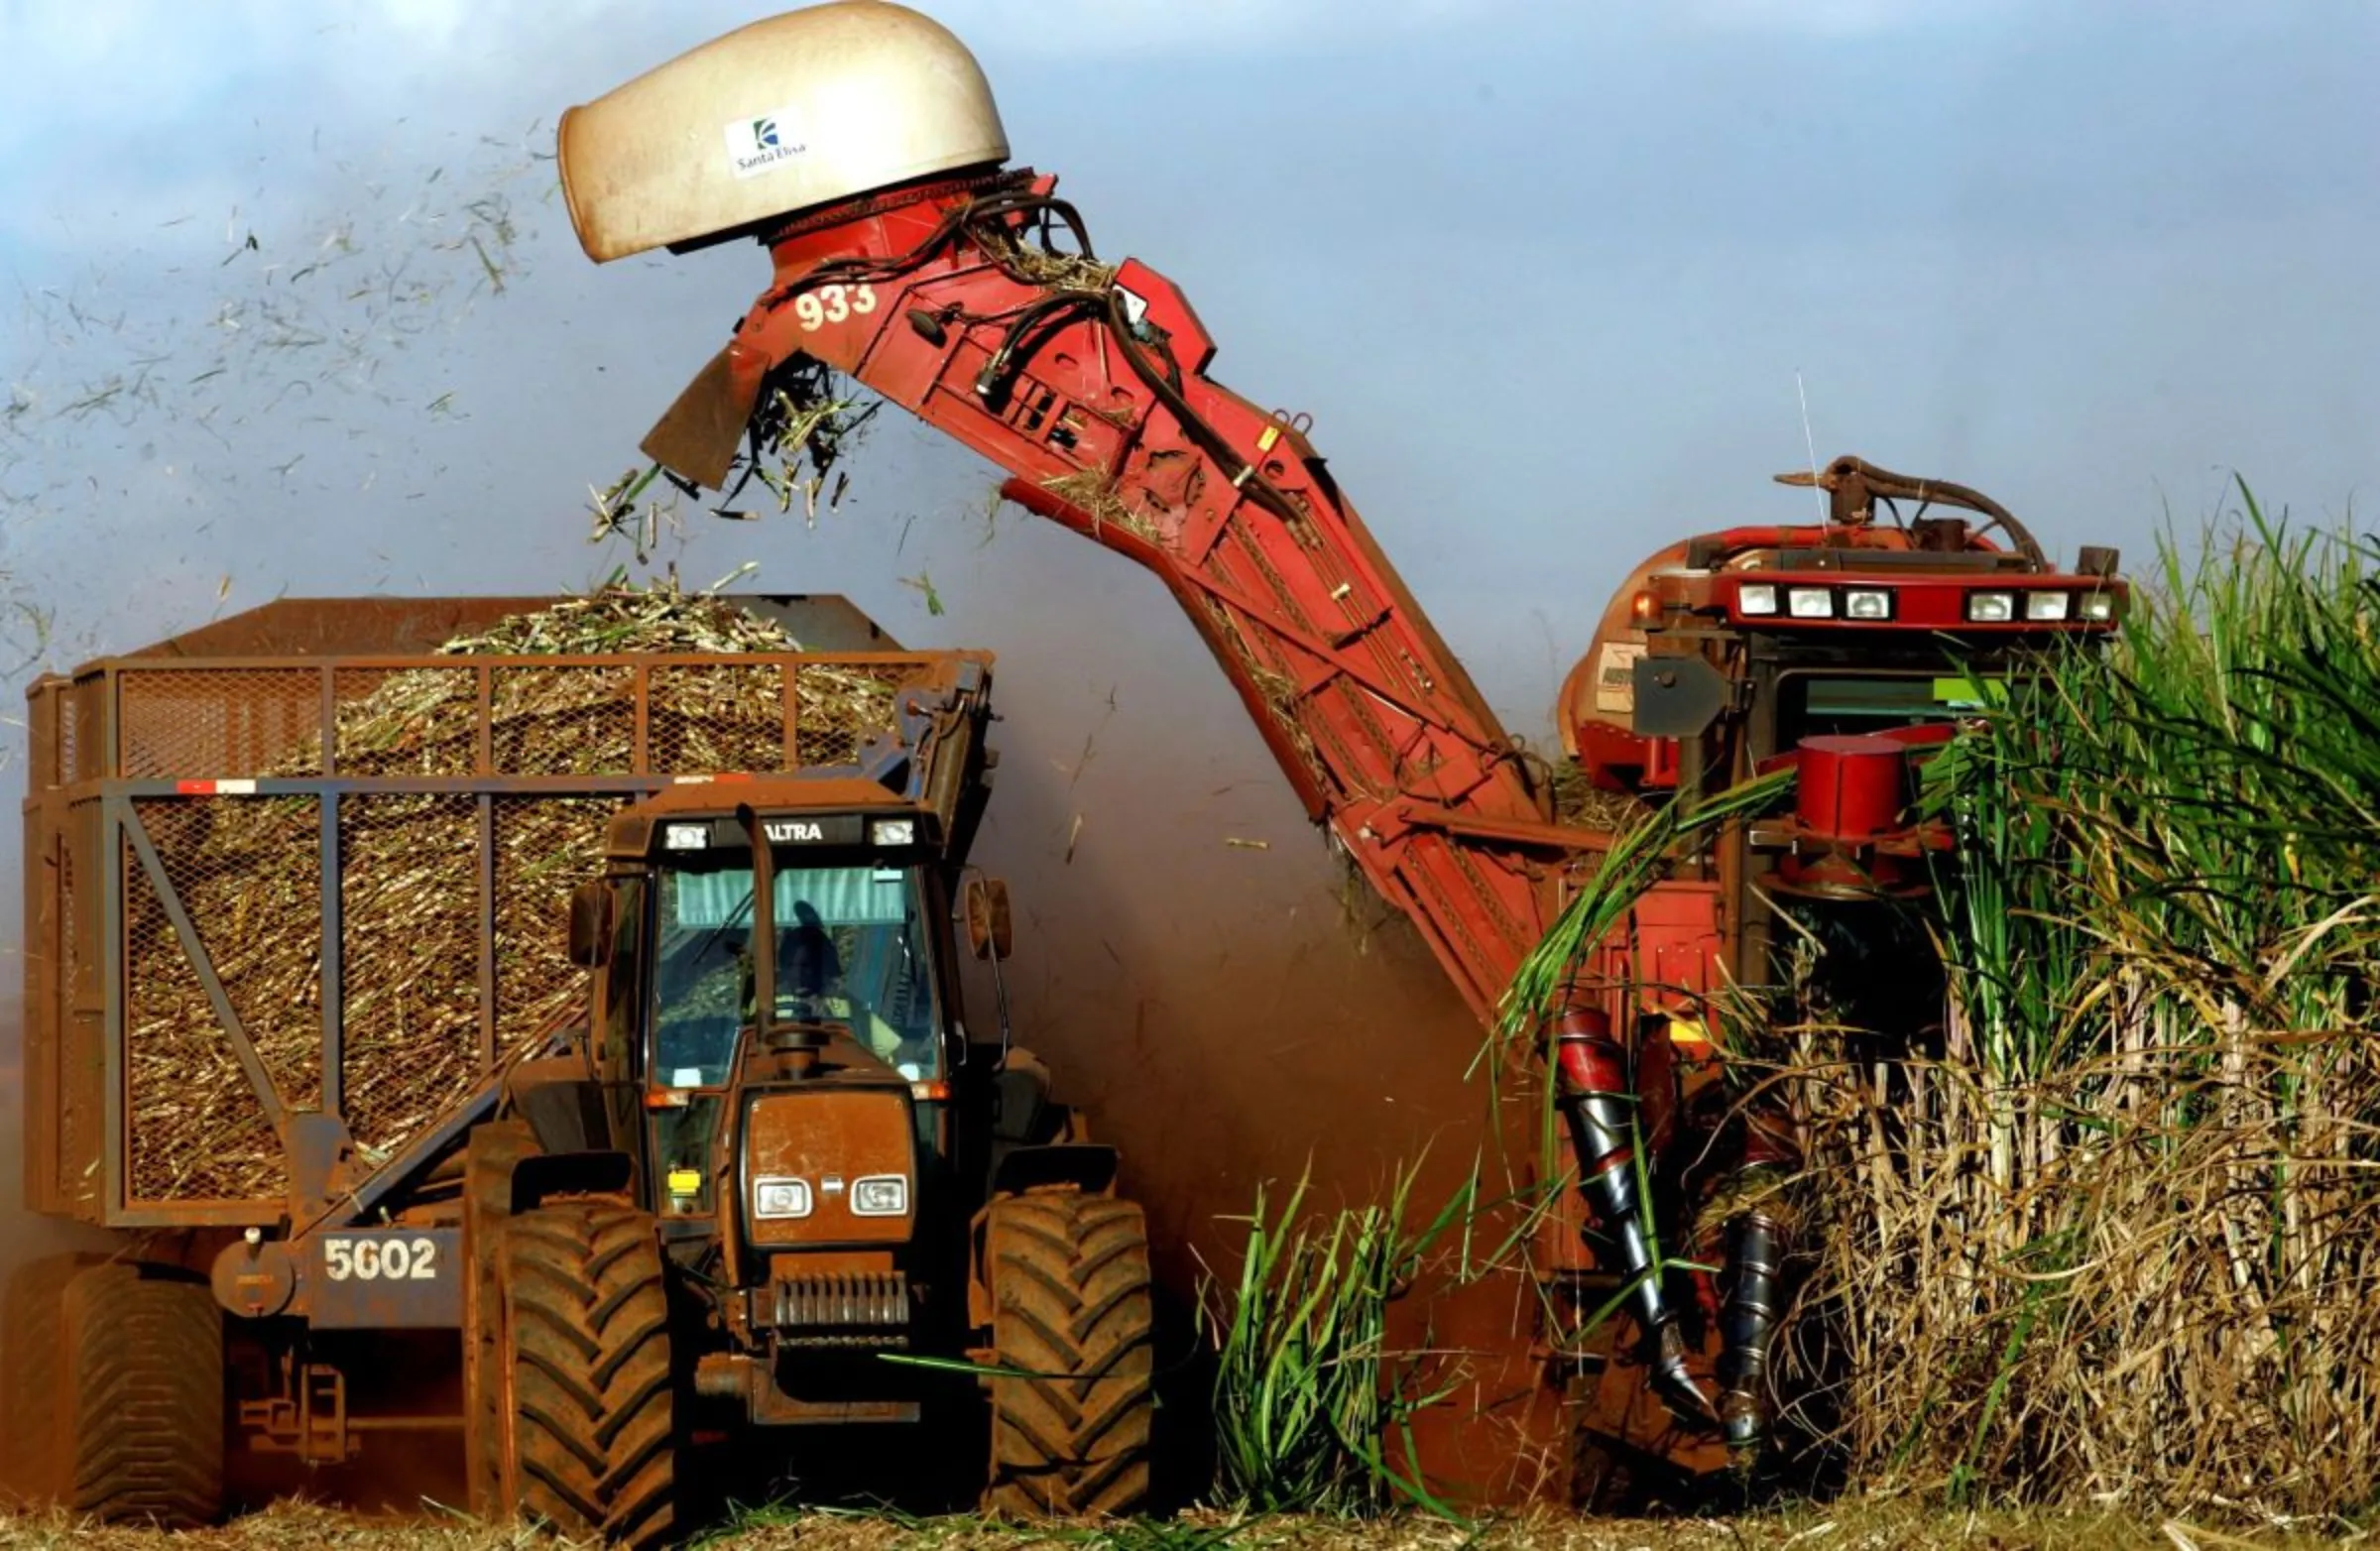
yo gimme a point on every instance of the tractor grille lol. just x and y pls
(840, 1309)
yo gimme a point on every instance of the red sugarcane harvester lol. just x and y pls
(859, 143)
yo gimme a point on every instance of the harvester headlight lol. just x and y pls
(1810, 603)
(2099, 606)
(780, 1198)
(1756, 598)
(1991, 608)
(2047, 605)
(880, 1195)
(1867, 603)
(685, 837)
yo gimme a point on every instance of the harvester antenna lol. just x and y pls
(1810, 442)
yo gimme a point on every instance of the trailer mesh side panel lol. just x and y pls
(409, 868)
(564, 721)
(244, 871)
(842, 707)
(91, 741)
(59, 769)
(427, 995)
(83, 1052)
(545, 848)
(728, 716)
(415, 721)
(217, 723)
(196, 1129)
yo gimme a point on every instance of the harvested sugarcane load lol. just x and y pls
(379, 915)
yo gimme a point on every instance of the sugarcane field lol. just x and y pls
(730, 839)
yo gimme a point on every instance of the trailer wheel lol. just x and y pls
(591, 1433)
(1069, 1279)
(142, 1414)
(32, 1319)
(488, 1159)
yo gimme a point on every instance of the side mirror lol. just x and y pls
(990, 932)
(590, 925)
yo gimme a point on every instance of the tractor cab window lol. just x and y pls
(851, 948)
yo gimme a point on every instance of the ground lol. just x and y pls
(1874, 1525)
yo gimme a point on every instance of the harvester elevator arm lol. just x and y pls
(1087, 383)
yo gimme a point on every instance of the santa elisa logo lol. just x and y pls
(766, 140)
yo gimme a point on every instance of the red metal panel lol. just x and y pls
(1851, 788)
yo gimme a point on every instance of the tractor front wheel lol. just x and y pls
(1069, 1279)
(590, 1442)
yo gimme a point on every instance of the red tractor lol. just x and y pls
(862, 149)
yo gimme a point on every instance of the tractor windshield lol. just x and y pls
(851, 948)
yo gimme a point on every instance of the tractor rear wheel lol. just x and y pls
(488, 1161)
(32, 1321)
(140, 1433)
(1069, 1278)
(590, 1447)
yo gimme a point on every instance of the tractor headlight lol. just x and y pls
(686, 837)
(2047, 605)
(2099, 606)
(1867, 603)
(1991, 608)
(894, 832)
(880, 1195)
(780, 1198)
(1756, 598)
(1810, 603)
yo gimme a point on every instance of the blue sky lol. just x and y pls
(1545, 274)
(1553, 280)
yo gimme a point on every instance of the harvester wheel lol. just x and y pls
(1069, 1279)
(488, 1161)
(32, 1321)
(1604, 1480)
(142, 1414)
(586, 1356)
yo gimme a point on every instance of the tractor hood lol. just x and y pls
(829, 1160)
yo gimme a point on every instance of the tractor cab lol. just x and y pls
(777, 1031)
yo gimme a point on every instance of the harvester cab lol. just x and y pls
(1845, 650)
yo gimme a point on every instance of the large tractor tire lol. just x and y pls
(32, 1327)
(489, 1156)
(1069, 1279)
(592, 1448)
(140, 1422)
